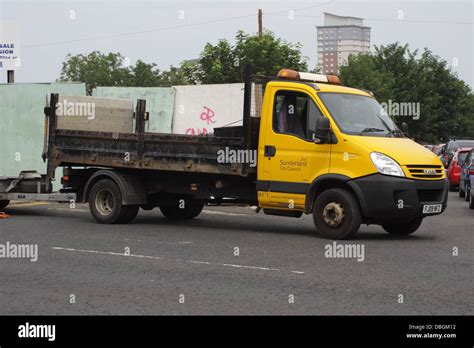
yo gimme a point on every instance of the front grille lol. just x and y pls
(424, 171)
(430, 195)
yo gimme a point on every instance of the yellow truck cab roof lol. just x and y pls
(325, 87)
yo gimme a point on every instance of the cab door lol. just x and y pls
(291, 158)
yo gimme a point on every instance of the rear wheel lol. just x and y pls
(452, 187)
(403, 229)
(467, 194)
(183, 210)
(462, 193)
(105, 203)
(3, 204)
(336, 214)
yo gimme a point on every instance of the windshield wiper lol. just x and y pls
(372, 129)
(396, 132)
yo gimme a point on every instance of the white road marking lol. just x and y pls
(108, 253)
(163, 243)
(179, 260)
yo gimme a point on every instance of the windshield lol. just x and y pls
(359, 115)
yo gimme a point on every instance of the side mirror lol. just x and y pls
(323, 130)
(405, 128)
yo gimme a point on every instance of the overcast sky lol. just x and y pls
(168, 32)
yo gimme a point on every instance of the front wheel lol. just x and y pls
(182, 210)
(105, 204)
(336, 214)
(3, 204)
(403, 229)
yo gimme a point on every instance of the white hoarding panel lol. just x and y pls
(199, 109)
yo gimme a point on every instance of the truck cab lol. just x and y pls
(332, 151)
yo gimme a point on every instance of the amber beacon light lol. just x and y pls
(289, 74)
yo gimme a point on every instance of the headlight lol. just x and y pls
(386, 165)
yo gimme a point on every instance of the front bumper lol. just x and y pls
(385, 199)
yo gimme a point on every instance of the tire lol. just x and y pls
(336, 214)
(105, 204)
(403, 229)
(467, 194)
(3, 204)
(471, 201)
(190, 210)
(461, 192)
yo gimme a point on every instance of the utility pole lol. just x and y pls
(260, 22)
(11, 76)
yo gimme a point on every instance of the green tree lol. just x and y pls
(224, 63)
(395, 73)
(96, 69)
(112, 69)
(143, 74)
(219, 63)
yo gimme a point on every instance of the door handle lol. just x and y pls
(269, 151)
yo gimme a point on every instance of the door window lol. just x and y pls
(295, 113)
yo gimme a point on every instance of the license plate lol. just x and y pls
(432, 208)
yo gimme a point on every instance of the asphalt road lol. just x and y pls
(191, 267)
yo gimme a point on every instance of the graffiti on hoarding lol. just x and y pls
(207, 116)
(196, 131)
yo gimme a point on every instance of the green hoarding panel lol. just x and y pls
(159, 103)
(22, 124)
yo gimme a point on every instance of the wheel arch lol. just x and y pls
(131, 188)
(327, 181)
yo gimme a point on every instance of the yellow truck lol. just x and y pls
(347, 163)
(315, 147)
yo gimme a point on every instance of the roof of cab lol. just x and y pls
(325, 87)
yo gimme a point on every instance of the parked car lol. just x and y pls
(454, 168)
(466, 178)
(450, 148)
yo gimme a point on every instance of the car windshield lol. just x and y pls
(359, 115)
